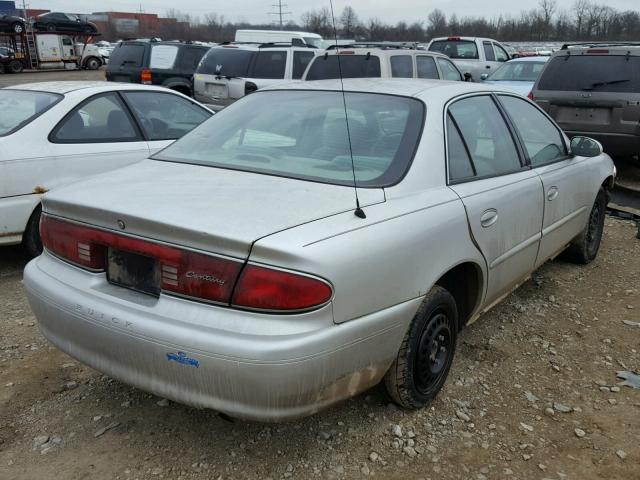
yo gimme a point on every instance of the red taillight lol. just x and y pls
(346, 52)
(187, 273)
(72, 242)
(597, 51)
(452, 39)
(268, 289)
(145, 77)
(530, 96)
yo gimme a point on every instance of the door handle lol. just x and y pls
(552, 194)
(488, 66)
(489, 217)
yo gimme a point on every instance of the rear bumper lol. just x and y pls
(282, 367)
(615, 144)
(214, 103)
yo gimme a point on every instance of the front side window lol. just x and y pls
(542, 140)
(100, 120)
(300, 62)
(486, 136)
(19, 107)
(189, 58)
(462, 49)
(325, 67)
(269, 64)
(426, 67)
(164, 116)
(402, 66)
(501, 54)
(303, 134)
(449, 70)
(488, 52)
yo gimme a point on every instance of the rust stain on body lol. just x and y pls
(40, 189)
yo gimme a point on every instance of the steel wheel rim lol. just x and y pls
(434, 351)
(594, 226)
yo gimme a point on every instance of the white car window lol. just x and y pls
(102, 119)
(163, 57)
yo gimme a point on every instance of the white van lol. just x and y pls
(275, 36)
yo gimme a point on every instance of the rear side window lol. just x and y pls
(352, 66)
(426, 67)
(126, 54)
(460, 166)
(486, 136)
(488, 52)
(597, 73)
(102, 119)
(402, 66)
(449, 70)
(165, 116)
(230, 62)
(269, 64)
(189, 58)
(163, 57)
(541, 138)
(462, 49)
(20, 107)
(300, 62)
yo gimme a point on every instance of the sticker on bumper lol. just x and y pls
(182, 358)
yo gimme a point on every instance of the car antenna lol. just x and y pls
(358, 211)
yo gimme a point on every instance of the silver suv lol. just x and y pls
(231, 71)
(594, 90)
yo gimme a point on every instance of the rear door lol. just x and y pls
(565, 178)
(592, 94)
(491, 63)
(126, 62)
(502, 196)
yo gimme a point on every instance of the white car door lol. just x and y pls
(96, 136)
(502, 196)
(491, 63)
(564, 178)
(164, 116)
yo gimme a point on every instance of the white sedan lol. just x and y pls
(52, 134)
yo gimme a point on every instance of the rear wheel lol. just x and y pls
(426, 353)
(584, 248)
(17, 27)
(15, 66)
(50, 27)
(31, 240)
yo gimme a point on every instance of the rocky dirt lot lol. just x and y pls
(532, 394)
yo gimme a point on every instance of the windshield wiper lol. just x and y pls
(610, 82)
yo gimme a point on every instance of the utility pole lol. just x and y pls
(24, 9)
(280, 12)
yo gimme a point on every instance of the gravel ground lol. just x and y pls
(532, 394)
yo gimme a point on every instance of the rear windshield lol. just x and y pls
(463, 49)
(302, 134)
(518, 72)
(598, 73)
(19, 107)
(230, 62)
(126, 54)
(352, 66)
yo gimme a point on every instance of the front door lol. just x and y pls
(503, 198)
(567, 201)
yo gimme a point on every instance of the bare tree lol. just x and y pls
(437, 23)
(349, 22)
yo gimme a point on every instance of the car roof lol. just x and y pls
(380, 51)
(72, 86)
(257, 46)
(534, 59)
(614, 48)
(401, 86)
(458, 37)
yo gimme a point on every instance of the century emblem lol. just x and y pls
(205, 277)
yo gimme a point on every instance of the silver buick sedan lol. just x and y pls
(306, 244)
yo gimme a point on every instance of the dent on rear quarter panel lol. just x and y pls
(396, 254)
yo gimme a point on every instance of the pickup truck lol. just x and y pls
(472, 55)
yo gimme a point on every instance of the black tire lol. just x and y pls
(88, 29)
(92, 64)
(17, 28)
(426, 353)
(584, 248)
(50, 27)
(31, 240)
(15, 66)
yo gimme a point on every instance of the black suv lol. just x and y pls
(593, 90)
(168, 64)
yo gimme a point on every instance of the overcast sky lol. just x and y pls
(256, 11)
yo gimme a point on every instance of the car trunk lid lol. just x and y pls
(205, 208)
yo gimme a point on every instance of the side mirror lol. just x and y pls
(585, 147)
(468, 77)
(484, 76)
